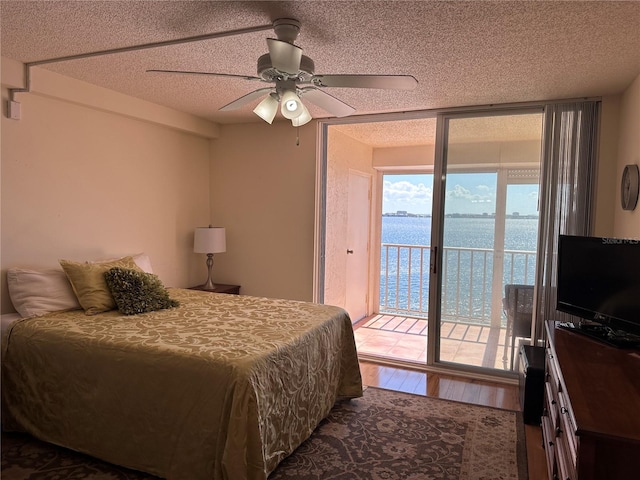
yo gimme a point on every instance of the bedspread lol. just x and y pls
(221, 387)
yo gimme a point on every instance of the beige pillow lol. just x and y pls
(35, 292)
(89, 285)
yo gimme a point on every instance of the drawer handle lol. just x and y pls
(551, 444)
(553, 402)
(564, 410)
(558, 431)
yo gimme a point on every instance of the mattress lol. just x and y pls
(221, 387)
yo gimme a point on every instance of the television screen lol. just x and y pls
(599, 280)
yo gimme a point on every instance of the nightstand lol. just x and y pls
(220, 288)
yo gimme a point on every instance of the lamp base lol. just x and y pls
(209, 285)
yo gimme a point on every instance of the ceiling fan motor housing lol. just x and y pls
(270, 74)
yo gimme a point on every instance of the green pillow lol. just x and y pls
(137, 292)
(88, 283)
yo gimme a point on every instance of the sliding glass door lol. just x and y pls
(454, 221)
(485, 233)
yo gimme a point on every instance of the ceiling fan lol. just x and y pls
(294, 78)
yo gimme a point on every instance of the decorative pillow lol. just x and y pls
(35, 292)
(89, 285)
(137, 292)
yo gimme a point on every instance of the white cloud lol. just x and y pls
(403, 195)
(462, 193)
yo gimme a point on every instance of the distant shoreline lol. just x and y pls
(458, 215)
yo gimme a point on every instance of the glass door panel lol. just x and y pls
(399, 330)
(487, 234)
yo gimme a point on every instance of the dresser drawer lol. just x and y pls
(549, 443)
(568, 428)
(560, 426)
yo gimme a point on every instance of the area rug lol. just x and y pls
(384, 435)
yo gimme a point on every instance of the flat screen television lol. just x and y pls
(599, 281)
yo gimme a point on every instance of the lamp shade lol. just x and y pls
(291, 105)
(210, 240)
(267, 108)
(302, 119)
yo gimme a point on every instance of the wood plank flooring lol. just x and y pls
(460, 389)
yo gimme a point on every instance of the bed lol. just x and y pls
(220, 387)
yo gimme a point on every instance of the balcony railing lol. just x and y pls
(470, 290)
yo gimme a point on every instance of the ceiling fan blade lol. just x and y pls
(284, 56)
(391, 82)
(245, 99)
(244, 77)
(327, 102)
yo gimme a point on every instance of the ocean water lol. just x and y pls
(467, 265)
(520, 233)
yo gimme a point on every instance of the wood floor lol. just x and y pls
(464, 390)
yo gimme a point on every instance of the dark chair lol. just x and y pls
(518, 306)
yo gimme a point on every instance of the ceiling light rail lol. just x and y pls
(13, 107)
(291, 72)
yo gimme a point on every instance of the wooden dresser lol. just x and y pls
(591, 417)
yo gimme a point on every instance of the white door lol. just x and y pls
(357, 248)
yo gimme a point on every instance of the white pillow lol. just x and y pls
(35, 292)
(142, 260)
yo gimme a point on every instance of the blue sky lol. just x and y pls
(466, 193)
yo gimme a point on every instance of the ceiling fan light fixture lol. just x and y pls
(302, 119)
(291, 105)
(267, 108)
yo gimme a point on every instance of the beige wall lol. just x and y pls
(606, 184)
(492, 154)
(404, 158)
(627, 223)
(82, 183)
(263, 193)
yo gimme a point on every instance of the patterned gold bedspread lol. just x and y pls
(222, 387)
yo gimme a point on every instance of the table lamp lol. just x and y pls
(209, 240)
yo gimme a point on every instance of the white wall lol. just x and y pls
(83, 183)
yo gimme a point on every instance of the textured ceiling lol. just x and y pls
(462, 52)
(461, 130)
